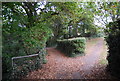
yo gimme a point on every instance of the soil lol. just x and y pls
(60, 66)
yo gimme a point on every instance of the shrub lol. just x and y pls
(23, 66)
(113, 42)
(72, 47)
(19, 41)
(51, 42)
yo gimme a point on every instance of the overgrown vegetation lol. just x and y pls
(22, 66)
(27, 27)
(29, 41)
(19, 39)
(72, 47)
(113, 42)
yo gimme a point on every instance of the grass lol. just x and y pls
(103, 60)
(77, 55)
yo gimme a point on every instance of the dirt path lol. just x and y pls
(92, 57)
(62, 67)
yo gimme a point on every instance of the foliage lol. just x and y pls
(22, 35)
(20, 43)
(51, 42)
(72, 47)
(113, 42)
(69, 19)
(22, 67)
(35, 38)
(106, 12)
(26, 26)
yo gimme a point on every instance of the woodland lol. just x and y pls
(60, 33)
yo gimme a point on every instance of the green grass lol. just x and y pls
(103, 60)
(77, 55)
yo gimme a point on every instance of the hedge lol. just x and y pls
(72, 47)
(113, 42)
(20, 42)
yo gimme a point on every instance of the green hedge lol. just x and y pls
(20, 41)
(113, 42)
(72, 47)
(51, 42)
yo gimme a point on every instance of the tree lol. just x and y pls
(113, 42)
(71, 15)
(107, 12)
(22, 34)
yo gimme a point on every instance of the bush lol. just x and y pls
(23, 66)
(19, 41)
(51, 42)
(113, 42)
(72, 47)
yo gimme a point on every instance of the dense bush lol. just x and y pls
(23, 66)
(113, 41)
(51, 42)
(22, 41)
(72, 47)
